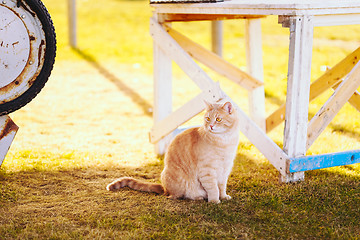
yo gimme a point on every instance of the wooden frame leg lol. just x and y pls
(255, 68)
(162, 92)
(72, 23)
(217, 37)
(298, 88)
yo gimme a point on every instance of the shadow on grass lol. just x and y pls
(73, 204)
(133, 95)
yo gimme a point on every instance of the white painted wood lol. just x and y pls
(255, 68)
(333, 105)
(264, 7)
(8, 131)
(178, 117)
(183, 59)
(217, 37)
(72, 23)
(335, 20)
(277, 157)
(183, 114)
(301, 17)
(215, 62)
(297, 100)
(324, 82)
(162, 92)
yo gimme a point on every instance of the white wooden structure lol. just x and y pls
(300, 17)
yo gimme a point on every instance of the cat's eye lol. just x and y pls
(207, 119)
(218, 119)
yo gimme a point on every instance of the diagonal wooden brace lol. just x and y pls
(215, 62)
(327, 80)
(277, 157)
(183, 59)
(327, 112)
(182, 115)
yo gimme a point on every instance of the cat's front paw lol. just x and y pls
(217, 201)
(226, 197)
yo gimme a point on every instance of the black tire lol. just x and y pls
(49, 58)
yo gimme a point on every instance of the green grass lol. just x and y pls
(90, 125)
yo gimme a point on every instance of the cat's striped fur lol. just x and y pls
(198, 161)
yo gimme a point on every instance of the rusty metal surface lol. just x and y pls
(25, 48)
(8, 130)
(8, 127)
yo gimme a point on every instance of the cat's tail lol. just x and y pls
(136, 185)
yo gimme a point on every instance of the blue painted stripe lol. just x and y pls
(324, 161)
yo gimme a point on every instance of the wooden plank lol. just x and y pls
(335, 74)
(307, 163)
(180, 116)
(327, 80)
(162, 92)
(185, 113)
(276, 156)
(337, 19)
(255, 68)
(297, 99)
(327, 112)
(260, 7)
(217, 37)
(205, 17)
(72, 23)
(178, 55)
(355, 100)
(215, 62)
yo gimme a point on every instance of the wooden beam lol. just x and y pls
(168, 17)
(327, 112)
(254, 65)
(162, 91)
(180, 116)
(354, 99)
(307, 163)
(72, 26)
(183, 59)
(276, 156)
(215, 62)
(217, 37)
(327, 80)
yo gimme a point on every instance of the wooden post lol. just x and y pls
(162, 91)
(255, 68)
(72, 23)
(216, 37)
(298, 88)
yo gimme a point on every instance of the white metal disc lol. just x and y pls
(14, 46)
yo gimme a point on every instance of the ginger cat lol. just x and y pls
(198, 161)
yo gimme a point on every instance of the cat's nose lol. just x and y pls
(211, 126)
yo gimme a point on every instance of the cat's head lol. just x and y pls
(219, 118)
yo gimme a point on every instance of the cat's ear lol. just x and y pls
(228, 107)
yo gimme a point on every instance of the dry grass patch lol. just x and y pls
(90, 125)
